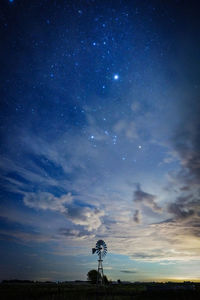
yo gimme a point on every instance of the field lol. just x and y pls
(61, 291)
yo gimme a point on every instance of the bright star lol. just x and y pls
(92, 137)
(140, 147)
(116, 77)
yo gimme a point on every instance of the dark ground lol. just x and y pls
(61, 291)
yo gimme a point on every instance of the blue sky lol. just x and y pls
(100, 139)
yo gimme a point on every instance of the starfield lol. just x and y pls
(99, 130)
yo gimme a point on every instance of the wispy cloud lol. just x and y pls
(46, 200)
(147, 199)
(96, 202)
(129, 271)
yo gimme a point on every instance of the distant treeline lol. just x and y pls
(25, 281)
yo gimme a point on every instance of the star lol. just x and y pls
(116, 77)
(140, 147)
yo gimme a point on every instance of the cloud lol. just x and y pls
(176, 238)
(26, 236)
(137, 216)
(89, 218)
(181, 211)
(187, 144)
(129, 271)
(185, 207)
(147, 199)
(185, 211)
(20, 178)
(44, 200)
(186, 137)
(167, 241)
(126, 128)
(76, 233)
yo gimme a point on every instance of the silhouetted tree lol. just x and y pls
(118, 281)
(92, 276)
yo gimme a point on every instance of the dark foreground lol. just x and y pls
(61, 291)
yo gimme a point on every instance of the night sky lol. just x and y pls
(100, 138)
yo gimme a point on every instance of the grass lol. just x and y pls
(63, 291)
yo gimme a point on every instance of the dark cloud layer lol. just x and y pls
(186, 142)
(181, 211)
